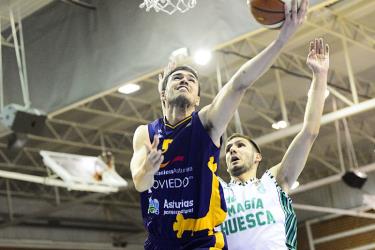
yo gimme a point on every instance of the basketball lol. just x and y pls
(269, 13)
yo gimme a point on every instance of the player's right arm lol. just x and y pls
(146, 159)
(217, 115)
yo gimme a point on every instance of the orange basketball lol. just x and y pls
(269, 13)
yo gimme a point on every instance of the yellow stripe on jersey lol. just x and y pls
(214, 216)
(219, 243)
(180, 122)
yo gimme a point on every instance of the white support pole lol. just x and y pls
(350, 71)
(334, 211)
(344, 234)
(9, 200)
(338, 138)
(329, 180)
(350, 145)
(327, 118)
(365, 247)
(21, 71)
(310, 237)
(340, 96)
(334, 216)
(281, 97)
(264, 116)
(57, 196)
(23, 59)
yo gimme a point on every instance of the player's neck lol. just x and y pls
(176, 114)
(252, 173)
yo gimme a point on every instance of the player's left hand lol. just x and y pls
(293, 19)
(318, 58)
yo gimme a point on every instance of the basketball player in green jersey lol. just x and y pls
(260, 214)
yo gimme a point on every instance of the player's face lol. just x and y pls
(239, 156)
(182, 89)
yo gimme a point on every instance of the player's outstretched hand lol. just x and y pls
(318, 57)
(154, 156)
(293, 19)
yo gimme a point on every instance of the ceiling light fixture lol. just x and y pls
(129, 88)
(279, 125)
(202, 56)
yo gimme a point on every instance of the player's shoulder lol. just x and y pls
(222, 182)
(143, 130)
(203, 117)
(140, 135)
(140, 130)
(267, 175)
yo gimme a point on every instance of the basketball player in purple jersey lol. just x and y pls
(176, 157)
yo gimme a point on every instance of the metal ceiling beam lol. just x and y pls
(337, 34)
(84, 129)
(351, 232)
(46, 193)
(334, 211)
(296, 59)
(365, 247)
(329, 180)
(78, 144)
(327, 118)
(324, 162)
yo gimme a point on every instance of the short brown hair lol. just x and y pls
(235, 135)
(182, 67)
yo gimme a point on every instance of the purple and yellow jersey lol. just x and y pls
(186, 201)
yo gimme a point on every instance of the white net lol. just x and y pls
(168, 6)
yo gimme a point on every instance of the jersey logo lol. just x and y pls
(153, 206)
(160, 133)
(177, 158)
(165, 145)
(164, 148)
(261, 189)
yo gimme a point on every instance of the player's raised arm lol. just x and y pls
(217, 115)
(295, 158)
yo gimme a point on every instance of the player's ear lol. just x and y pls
(162, 95)
(198, 101)
(258, 157)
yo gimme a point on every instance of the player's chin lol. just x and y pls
(183, 99)
(237, 170)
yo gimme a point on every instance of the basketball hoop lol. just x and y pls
(168, 6)
(84, 173)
